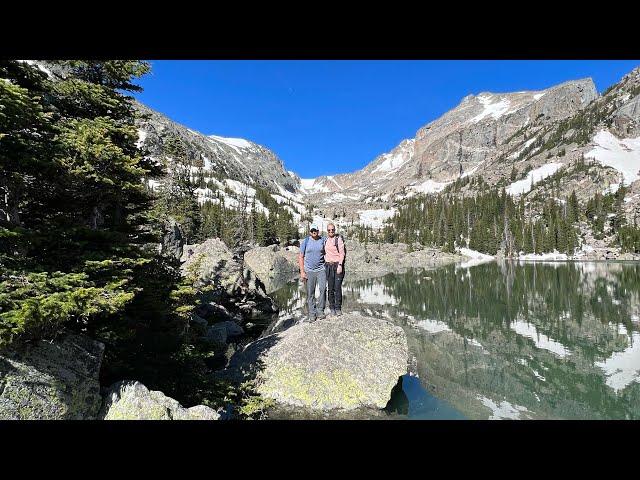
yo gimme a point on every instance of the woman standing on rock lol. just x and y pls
(334, 267)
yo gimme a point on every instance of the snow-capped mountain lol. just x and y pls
(233, 158)
(457, 144)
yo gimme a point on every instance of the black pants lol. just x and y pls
(334, 286)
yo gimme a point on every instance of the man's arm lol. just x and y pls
(303, 275)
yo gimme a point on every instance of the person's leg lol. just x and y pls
(338, 291)
(311, 293)
(331, 277)
(322, 283)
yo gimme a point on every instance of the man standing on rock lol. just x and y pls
(312, 271)
(334, 266)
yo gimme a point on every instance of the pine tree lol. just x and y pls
(75, 204)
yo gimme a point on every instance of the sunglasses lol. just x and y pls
(331, 229)
(313, 230)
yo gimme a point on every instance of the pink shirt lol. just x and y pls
(330, 252)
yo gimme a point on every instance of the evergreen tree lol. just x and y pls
(74, 208)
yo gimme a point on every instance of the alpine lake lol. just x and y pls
(508, 340)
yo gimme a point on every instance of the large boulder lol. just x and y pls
(131, 400)
(211, 263)
(342, 363)
(51, 380)
(274, 266)
(173, 239)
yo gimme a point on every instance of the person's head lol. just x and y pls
(314, 231)
(331, 229)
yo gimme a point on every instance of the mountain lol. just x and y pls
(510, 140)
(234, 158)
(471, 135)
(223, 167)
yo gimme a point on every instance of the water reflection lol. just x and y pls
(510, 340)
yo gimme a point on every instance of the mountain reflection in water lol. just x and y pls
(508, 340)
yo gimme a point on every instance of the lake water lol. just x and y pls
(509, 340)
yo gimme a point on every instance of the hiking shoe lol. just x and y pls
(321, 316)
(311, 318)
(338, 313)
(332, 313)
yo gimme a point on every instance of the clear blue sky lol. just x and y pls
(326, 117)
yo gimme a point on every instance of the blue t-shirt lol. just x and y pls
(313, 254)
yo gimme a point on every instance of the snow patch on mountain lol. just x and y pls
(234, 142)
(142, 135)
(620, 154)
(493, 107)
(375, 218)
(308, 186)
(429, 186)
(240, 188)
(391, 163)
(524, 147)
(534, 176)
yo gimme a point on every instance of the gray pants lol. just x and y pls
(314, 278)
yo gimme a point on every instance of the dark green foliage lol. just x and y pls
(490, 221)
(245, 223)
(73, 218)
(176, 195)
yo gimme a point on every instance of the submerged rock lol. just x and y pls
(51, 380)
(345, 363)
(131, 400)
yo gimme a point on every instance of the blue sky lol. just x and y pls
(327, 117)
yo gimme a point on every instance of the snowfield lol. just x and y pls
(308, 186)
(429, 187)
(621, 154)
(491, 109)
(232, 142)
(375, 218)
(536, 175)
(555, 255)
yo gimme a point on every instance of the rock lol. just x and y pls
(173, 239)
(131, 400)
(216, 334)
(211, 263)
(388, 257)
(232, 328)
(272, 265)
(51, 380)
(215, 312)
(343, 363)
